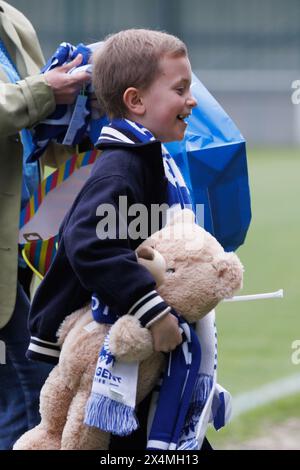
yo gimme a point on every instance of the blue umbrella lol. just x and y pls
(212, 158)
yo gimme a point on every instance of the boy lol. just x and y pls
(142, 81)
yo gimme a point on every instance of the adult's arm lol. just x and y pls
(24, 103)
(28, 101)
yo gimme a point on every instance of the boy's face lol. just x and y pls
(168, 101)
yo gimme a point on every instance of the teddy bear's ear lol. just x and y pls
(185, 216)
(182, 226)
(230, 271)
(195, 242)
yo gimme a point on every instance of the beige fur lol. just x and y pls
(203, 275)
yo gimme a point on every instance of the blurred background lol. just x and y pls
(247, 53)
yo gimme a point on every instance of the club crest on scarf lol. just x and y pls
(105, 356)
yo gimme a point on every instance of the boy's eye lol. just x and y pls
(180, 91)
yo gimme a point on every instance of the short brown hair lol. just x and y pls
(130, 58)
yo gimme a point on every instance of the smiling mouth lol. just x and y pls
(183, 117)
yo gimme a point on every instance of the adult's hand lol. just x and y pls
(66, 86)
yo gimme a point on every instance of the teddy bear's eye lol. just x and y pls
(170, 270)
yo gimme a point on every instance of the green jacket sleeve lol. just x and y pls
(24, 103)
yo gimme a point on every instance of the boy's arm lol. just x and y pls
(104, 262)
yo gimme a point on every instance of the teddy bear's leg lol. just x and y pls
(76, 434)
(55, 399)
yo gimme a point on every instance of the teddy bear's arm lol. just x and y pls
(129, 341)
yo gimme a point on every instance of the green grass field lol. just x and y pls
(255, 337)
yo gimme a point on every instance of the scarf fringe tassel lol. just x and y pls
(110, 415)
(202, 388)
(190, 444)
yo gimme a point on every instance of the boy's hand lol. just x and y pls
(166, 333)
(66, 86)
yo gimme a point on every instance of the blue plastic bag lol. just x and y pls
(212, 158)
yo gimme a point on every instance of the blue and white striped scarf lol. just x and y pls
(184, 396)
(131, 133)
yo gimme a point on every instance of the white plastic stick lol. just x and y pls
(269, 295)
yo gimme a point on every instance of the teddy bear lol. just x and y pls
(193, 274)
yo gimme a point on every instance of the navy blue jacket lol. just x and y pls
(85, 264)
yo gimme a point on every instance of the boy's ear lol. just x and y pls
(133, 101)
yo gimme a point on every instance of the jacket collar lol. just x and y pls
(125, 133)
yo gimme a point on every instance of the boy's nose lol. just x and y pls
(191, 102)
